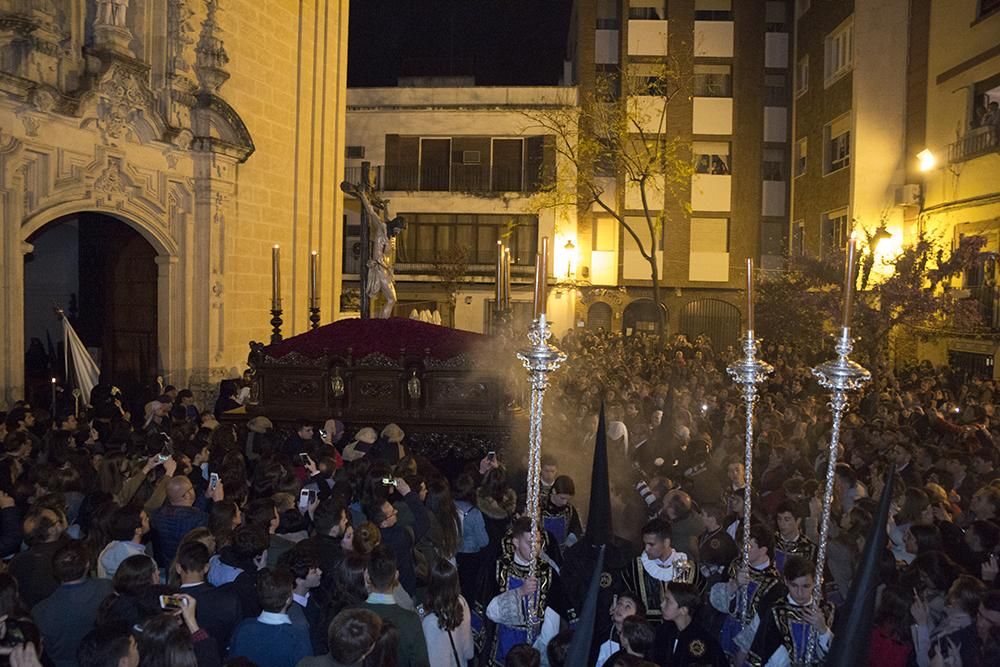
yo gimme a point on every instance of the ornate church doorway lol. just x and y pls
(103, 274)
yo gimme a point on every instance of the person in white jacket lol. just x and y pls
(446, 619)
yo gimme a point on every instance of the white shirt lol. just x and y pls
(274, 618)
(663, 570)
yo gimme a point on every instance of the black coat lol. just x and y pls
(219, 611)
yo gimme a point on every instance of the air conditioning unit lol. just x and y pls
(355, 153)
(908, 195)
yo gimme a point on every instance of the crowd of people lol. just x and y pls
(174, 538)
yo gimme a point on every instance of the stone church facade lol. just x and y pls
(212, 128)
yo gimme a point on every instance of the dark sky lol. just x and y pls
(500, 42)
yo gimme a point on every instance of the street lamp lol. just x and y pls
(927, 160)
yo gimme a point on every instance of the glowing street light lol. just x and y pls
(927, 160)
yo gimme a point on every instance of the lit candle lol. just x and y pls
(275, 278)
(53, 409)
(750, 294)
(314, 279)
(499, 278)
(541, 278)
(849, 278)
(506, 278)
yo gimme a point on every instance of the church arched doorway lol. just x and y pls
(103, 274)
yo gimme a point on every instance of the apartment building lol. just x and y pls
(959, 53)
(733, 57)
(464, 166)
(851, 126)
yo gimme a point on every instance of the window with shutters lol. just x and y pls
(837, 144)
(713, 10)
(713, 80)
(835, 230)
(801, 156)
(838, 52)
(476, 164)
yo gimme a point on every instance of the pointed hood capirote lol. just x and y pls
(853, 629)
(599, 513)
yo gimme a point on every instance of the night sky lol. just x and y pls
(500, 42)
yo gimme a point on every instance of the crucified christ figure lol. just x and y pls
(383, 233)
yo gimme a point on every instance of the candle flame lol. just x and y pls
(276, 246)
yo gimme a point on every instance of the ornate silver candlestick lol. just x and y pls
(840, 376)
(748, 372)
(540, 359)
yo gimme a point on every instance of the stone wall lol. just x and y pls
(213, 127)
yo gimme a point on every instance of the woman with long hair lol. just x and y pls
(174, 640)
(889, 644)
(474, 537)
(446, 619)
(136, 596)
(497, 501)
(915, 509)
(445, 533)
(223, 520)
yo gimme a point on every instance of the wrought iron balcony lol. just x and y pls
(987, 299)
(978, 141)
(476, 179)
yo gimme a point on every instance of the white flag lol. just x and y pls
(87, 372)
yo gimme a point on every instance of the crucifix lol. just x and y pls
(378, 234)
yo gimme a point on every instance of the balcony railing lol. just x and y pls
(457, 178)
(353, 175)
(979, 141)
(987, 299)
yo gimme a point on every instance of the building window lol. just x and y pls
(708, 258)
(839, 52)
(713, 81)
(604, 233)
(648, 79)
(798, 238)
(774, 16)
(713, 10)
(468, 163)
(835, 230)
(985, 103)
(801, 155)
(711, 157)
(837, 144)
(802, 76)
(775, 90)
(987, 7)
(428, 235)
(774, 164)
(647, 10)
